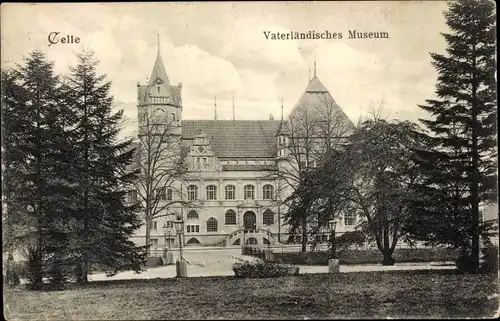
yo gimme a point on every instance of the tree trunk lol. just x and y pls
(304, 235)
(475, 178)
(388, 260)
(148, 236)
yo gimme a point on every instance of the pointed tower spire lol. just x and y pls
(158, 38)
(215, 108)
(233, 108)
(158, 73)
(281, 108)
(314, 67)
(309, 75)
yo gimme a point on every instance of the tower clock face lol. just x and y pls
(201, 149)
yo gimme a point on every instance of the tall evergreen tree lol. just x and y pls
(32, 152)
(103, 221)
(14, 123)
(459, 161)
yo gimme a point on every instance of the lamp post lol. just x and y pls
(180, 265)
(179, 227)
(268, 230)
(332, 225)
(333, 263)
(167, 253)
(168, 231)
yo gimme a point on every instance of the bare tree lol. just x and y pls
(160, 160)
(314, 130)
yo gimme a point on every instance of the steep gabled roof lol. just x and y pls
(236, 138)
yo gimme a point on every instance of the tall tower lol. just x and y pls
(158, 98)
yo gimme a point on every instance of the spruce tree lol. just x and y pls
(13, 163)
(103, 221)
(34, 169)
(459, 161)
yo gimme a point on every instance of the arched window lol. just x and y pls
(212, 225)
(192, 215)
(158, 113)
(249, 192)
(193, 241)
(268, 217)
(192, 192)
(237, 242)
(350, 219)
(173, 116)
(230, 217)
(230, 192)
(267, 192)
(211, 192)
(251, 240)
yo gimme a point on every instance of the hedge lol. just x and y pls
(367, 256)
(263, 270)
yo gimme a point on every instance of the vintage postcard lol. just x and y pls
(249, 160)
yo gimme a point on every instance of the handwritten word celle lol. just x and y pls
(54, 38)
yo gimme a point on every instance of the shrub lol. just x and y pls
(263, 270)
(348, 240)
(14, 271)
(489, 260)
(464, 263)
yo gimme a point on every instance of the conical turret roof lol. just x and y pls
(317, 104)
(316, 86)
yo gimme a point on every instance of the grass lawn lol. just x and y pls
(404, 294)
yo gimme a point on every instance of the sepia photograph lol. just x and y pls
(249, 160)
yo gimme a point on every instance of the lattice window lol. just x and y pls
(268, 217)
(230, 192)
(249, 192)
(350, 219)
(267, 192)
(212, 225)
(211, 192)
(192, 215)
(230, 217)
(192, 192)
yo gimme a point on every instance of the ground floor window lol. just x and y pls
(268, 217)
(251, 241)
(212, 225)
(193, 241)
(193, 229)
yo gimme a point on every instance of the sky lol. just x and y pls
(219, 49)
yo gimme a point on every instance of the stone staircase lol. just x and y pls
(259, 235)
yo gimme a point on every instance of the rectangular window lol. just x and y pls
(154, 225)
(350, 219)
(169, 224)
(193, 229)
(160, 194)
(169, 194)
(132, 196)
(154, 242)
